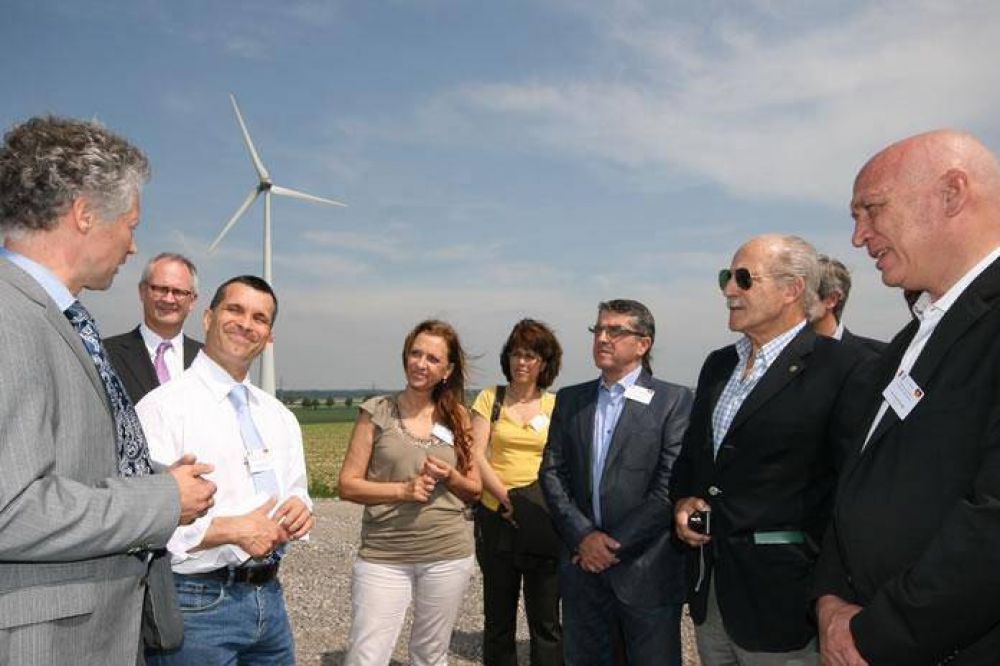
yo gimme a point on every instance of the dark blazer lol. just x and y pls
(877, 346)
(776, 470)
(129, 356)
(915, 537)
(635, 501)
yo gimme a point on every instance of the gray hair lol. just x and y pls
(170, 256)
(794, 257)
(46, 163)
(642, 320)
(834, 279)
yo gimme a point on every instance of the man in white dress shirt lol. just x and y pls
(226, 563)
(157, 350)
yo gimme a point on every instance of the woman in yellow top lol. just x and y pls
(507, 448)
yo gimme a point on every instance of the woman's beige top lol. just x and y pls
(406, 532)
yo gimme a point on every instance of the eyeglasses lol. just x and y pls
(614, 332)
(162, 290)
(743, 277)
(524, 355)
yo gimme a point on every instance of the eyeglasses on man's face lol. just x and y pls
(742, 276)
(161, 291)
(614, 332)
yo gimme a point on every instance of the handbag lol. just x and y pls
(534, 534)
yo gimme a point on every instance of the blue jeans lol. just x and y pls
(230, 623)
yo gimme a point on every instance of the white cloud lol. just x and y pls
(764, 112)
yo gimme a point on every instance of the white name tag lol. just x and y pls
(639, 393)
(539, 423)
(903, 394)
(443, 433)
(259, 460)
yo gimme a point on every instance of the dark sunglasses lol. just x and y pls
(743, 277)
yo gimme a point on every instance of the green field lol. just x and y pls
(325, 445)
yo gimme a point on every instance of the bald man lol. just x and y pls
(910, 570)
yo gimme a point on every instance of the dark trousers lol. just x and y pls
(651, 636)
(503, 573)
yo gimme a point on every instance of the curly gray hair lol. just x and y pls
(47, 162)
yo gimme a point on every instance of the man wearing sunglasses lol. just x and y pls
(758, 463)
(911, 571)
(156, 351)
(605, 474)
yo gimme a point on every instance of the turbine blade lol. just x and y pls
(295, 194)
(236, 216)
(258, 165)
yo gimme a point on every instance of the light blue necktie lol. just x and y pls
(133, 452)
(264, 481)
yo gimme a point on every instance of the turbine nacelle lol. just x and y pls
(266, 187)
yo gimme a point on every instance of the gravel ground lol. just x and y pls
(317, 580)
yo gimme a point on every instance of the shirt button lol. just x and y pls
(714, 491)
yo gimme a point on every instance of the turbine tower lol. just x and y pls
(266, 187)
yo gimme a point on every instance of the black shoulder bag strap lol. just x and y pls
(497, 405)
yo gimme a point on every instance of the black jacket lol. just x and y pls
(127, 353)
(915, 537)
(775, 471)
(635, 502)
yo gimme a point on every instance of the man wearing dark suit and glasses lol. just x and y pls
(910, 572)
(606, 474)
(81, 505)
(156, 351)
(760, 458)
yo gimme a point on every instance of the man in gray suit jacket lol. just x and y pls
(80, 505)
(606, 477)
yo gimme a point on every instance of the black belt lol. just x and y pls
(257, 575)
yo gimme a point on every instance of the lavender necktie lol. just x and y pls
(133, 452)
(160, 363)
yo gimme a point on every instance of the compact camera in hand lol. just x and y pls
(700, 522)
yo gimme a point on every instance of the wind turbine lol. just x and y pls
(266, 186)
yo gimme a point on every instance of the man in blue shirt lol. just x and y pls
(606, 475)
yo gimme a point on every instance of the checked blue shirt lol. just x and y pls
(739, 387)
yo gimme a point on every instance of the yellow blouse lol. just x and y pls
(515, 450)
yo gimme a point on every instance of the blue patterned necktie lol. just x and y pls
(133, 453)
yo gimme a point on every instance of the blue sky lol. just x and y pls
(501, 159)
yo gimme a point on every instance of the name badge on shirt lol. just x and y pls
(539, 423)
(639, 393)
(443, 433)
(259, 460)
(903, 394)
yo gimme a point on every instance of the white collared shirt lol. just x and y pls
(193, 414)
(173, 357)
(930, 313)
